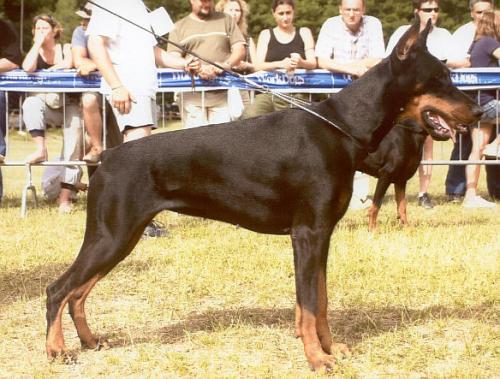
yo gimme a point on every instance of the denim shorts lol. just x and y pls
(491, 110)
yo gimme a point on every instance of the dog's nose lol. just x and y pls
(477, 111)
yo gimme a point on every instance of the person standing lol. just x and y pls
(484, 52)
(238, 9)
(10, 59)
(351, 43)
(91, 101)
(455, 185)
(438, 44)
(127, 56)
(215, 37)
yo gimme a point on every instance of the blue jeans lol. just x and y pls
(456, 182)
(3, 132)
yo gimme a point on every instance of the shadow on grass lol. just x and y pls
(9, 202)
(390, 222)
(350, 326)
(15, 202)
(29, 283)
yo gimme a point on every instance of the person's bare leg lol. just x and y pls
(65, 201)
(480, 137)
(93, 124)
(136, 133)
(40, 153)
(425, 171)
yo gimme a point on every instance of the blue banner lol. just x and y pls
(175, 80)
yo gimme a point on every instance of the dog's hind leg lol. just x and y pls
(76, 306)
(109, 238)
(400, 191)
(383, 184)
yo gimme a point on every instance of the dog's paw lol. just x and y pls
(322, 362)
(340, 350)
(96, 344)
(61, 356)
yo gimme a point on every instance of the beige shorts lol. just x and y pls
(213, 109)
(142, 113)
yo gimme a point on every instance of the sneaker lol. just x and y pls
(492, 152)
(155, 229)
(2, 158)
(455, 198)
(425, 201)
(477, 202)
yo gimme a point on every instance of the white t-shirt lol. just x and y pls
(461, 41)
(130, 48)
(438, 41)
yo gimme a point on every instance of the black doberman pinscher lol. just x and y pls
(283, 173)
(397, 159)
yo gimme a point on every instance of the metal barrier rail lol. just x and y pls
(303, 81)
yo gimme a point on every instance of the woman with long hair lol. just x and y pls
(484, 52)
(238, 10)
(47, 108)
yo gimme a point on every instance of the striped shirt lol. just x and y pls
(212, 38)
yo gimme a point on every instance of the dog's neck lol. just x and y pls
(368, 108)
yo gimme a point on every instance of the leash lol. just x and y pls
(300, 104)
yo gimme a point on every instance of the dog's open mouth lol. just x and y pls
(439, 128)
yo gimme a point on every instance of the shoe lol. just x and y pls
(425, 201)
(492, 152)
(93, 156)
(455, 198)
(477, 202)
(357, 203)
(2, 158)
(65, 208)
(155, 229)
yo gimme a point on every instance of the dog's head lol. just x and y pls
(433, 102)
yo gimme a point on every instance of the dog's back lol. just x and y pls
(245, 172)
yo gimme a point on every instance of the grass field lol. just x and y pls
(213, 300)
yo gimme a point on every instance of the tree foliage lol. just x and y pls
(311, 13)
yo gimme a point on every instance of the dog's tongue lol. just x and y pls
(445, 125)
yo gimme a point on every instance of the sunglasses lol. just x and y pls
(429, 10)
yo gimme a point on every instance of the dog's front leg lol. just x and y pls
(400, 192)
(310, 256)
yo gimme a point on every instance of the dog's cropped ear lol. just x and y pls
(409, 39)
(424, 33)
